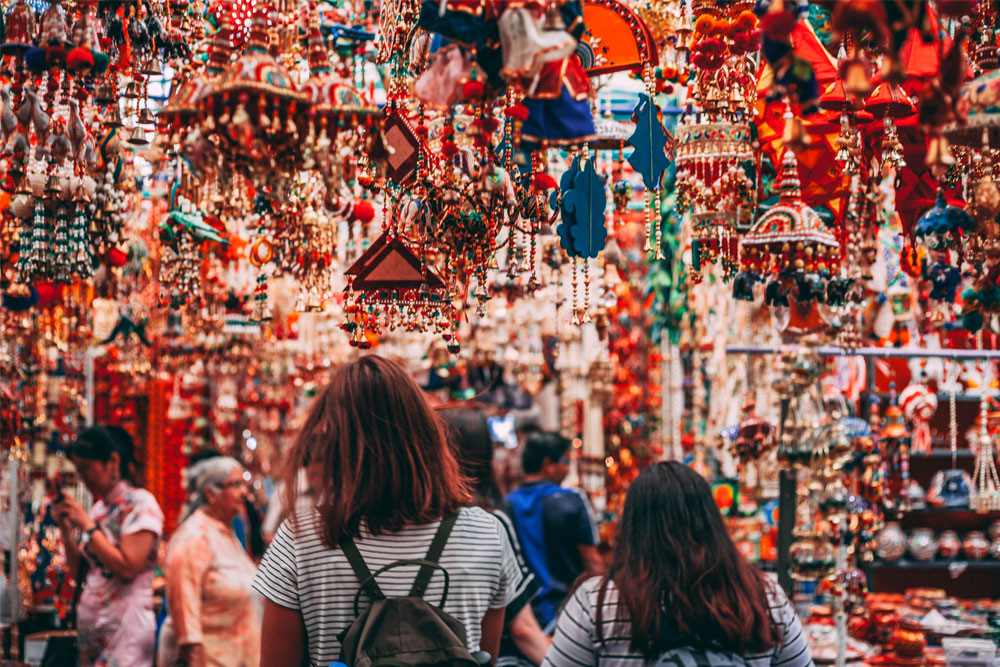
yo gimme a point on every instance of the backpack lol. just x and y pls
(691, 656)
(404, 631)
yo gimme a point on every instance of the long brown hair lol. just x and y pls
(384, 453)
(679, 574)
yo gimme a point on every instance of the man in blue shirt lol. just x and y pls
(554, 525)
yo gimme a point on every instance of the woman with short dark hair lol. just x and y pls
(676, 583)
(118, 539)
(388, 479)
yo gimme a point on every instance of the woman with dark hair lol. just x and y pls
(117, 541)
(523, 642)
(676, 583)
(389, 478)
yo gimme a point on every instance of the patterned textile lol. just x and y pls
(115, 617)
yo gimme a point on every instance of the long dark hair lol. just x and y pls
(679, 574)
(384, 453)
(96, 443)
(473, 444)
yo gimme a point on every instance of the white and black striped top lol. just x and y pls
(300, 572)
(575, 642)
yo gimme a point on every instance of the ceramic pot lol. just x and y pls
(995, 531)
(891, 543)
(995, 549)
(949, 546)
(922, 544)
(975, 545)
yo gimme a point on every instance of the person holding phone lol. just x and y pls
(118, 538)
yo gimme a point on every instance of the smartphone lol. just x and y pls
(55, 487)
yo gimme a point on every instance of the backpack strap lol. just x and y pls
(360, 568)
(433, 556)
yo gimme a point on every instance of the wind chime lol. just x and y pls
(716, 165)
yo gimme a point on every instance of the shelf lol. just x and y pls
(906, 563)
(960, 519)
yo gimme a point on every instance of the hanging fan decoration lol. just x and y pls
(616, 39)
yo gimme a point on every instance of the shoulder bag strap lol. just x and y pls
(433, 556)
(360, 568)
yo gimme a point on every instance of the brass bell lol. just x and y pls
(105, 94)
(113, 117)
(138, 136)
(24, 187)
(131, 91)
(153, 68)
(939, 156)
(146, 117)
(52, 186)
(80, 195)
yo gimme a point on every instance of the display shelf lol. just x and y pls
(980, 579)
(960, 519)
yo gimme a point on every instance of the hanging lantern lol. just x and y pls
(791, 245)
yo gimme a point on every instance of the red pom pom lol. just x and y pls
(421, 131)
(543, 181)
(472, 90)
(117, 257)
(364, 212)
(449, 148)
(47, 292)
(517, 112)
(779, 25)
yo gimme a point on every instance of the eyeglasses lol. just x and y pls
(236, 483)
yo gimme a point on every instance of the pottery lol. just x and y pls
(949, 545)
(891, 542)
(995, 549)
(975, 545)
(995, 531)
(922, 544)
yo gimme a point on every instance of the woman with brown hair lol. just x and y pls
(389, 477)
(677, 584)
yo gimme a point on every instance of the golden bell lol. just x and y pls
(939, 157)
(24, 187)
(857, 82)
(105, 94)
(80, 195)
(113, 117)
(146, 117)
(138, 136)
(52, 186)
(131, 91)
(795, 136)
(153, 68)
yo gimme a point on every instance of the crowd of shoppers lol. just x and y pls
(378, 482)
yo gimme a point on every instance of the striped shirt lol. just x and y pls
(575, 642)
(300, 572)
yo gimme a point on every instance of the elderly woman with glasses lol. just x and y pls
(214, 617)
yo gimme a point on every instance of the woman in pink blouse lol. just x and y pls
(118, 538)
(214, 615)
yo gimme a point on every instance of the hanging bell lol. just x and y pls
(113, 117)
(131, 91)
(105, 94)
(52, 186)
(138, 136)
(24, 187)
(152, 67)
(146, 117)
(939, 156)
(80, 195)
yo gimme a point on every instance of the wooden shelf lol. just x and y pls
(979, 579)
